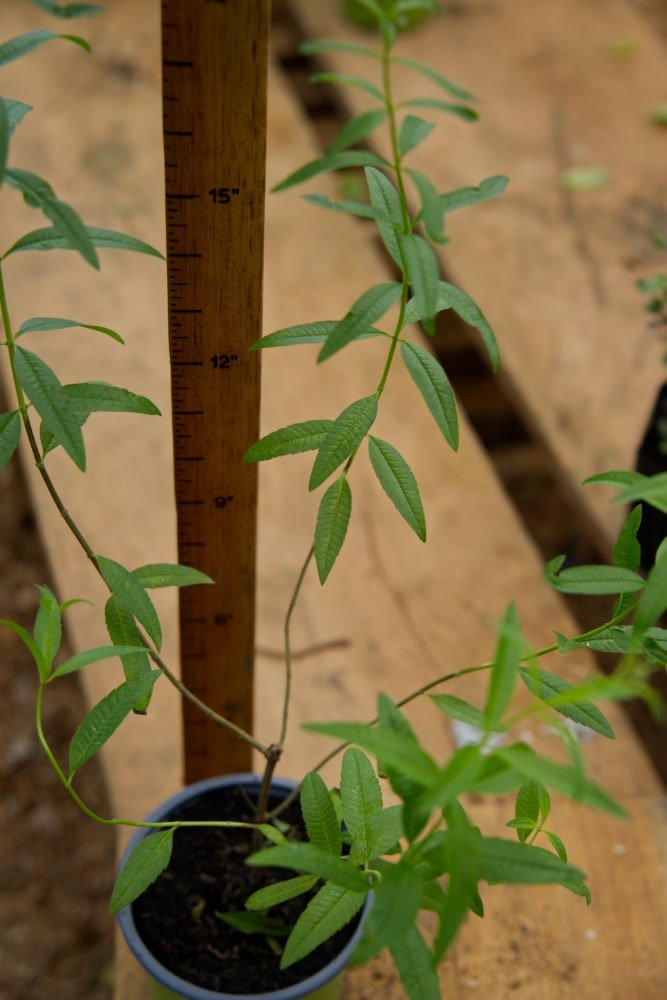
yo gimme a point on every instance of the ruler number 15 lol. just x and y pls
(223, 195)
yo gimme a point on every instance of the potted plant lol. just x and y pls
(347, 852)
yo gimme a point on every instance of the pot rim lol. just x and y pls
(181, 986)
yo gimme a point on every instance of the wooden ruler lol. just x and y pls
(214, 57)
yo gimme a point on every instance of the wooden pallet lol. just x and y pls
(405, 613)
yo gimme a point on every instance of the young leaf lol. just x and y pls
(527, 807)
(430, 379)
(104, 719)
(48, 397)
(398, 482)
(361, 799)
(68, 10)
(22, 44)
(131, 595)
(81, 660)
(627, 550)
(306, 436)
(340, 160)
(343, 437)
(431, 209)
(504, 670)
(463, 111)
(10, 433)
(413, 131)
(51, 323)
(357, 129)
(368, 308)
(491, 187)
(547, 686)
(308, 333)
(319, 815)
(431, 74)
(106, 239)
(38, 194)
(523, 864)
(148, 860)
(557, 844)
(595, 580)
(156, 575)
(124, 632)
(280, 892)
(48, 631)
(332, 908)
(414, 963)
(333, 518)
(347, 79)
(25, 636)
(460, 710)
(387, 204)
(313, 861)
(253, 923)
(16, 112)
(423, 270)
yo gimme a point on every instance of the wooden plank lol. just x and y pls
(555, 271)
(406, 612)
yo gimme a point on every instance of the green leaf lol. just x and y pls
(306, 436)
(280, 892)
(38, 194)
(16, 112)
(595, 580)
(313, 861)
(81, 660)
(398, 482)
(397, 901)
(461, 853)
(504, 670)
(25, 637)
(368, 308)
(456, 777)
(392, 720)
(148, 860)
(433, 75)
(348, 80)
(470, 313)
(414, 963)
(561, 777)
(22, 44)
(389, 831)
(131, 595)
(359, 209)
(461, 710)
(490, 187)
(557, 844)
(430, 379)
(10, 433)
(653, 601)
(340, 160)
(103, 719)
(106, 239)
(332, 908)
(253, 923)
(413, 132)
(343, 437)
(4, 138)
(361, 800)
(155, 575)
(389, 215)
(50, 400)
(522, 864)
(394, 749)
(319, 815)
(583, 178)
(308, 333)
(463, 111)
(635, 486)
(423, 270)
(357, 129)
(48, 629)
(527, 806)
(431, 209)
(69, 10)
(51, 323)
(333, 518)
(315, 45)
(627, 550)
(547, 687)
(124, 632)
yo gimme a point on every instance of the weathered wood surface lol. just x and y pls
(406, 612)
(577, 350)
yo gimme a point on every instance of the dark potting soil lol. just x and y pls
(207, 874)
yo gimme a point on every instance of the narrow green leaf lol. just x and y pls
(414, 963)
(100, 397)
(308, 333)
(398, 482)
(333, 518)
(523, 864)
(462, 863)
(81, 660)
(361, 799)
(5, 133)
(490, 187)
(394, 749)
(527, 806)
(10, 433)
(131, 595)
(435, 387)
(504, 670)
(69, 10)
(461, 710)
(22, 44)
(423, 271)
(595, 580)
(433, 75)
(359, 209)
(124, 632)
(51, 323)
(49, 398)
(319, 815)
(470, 313)
(627, 550)
(431, 209)
(547, 687)
(306, 436)
(557, 844)
(455, 778)
(349, 80)
(315, 45)
(345, 435)
(148, 860)
(312, 861)
(340, 160)
(653, 601)
(332, 908)
(155, 575)
(280, 892)
(392, 721)
(395, 907)
(25, 637)
(389, 832)
(106, 239)
(652, 489)
(389, 214)
(48, 631)
(413, 132)
(38, 194)
(103, 719)
(253, 923)
(16, 112)
(368, 308)
(357, 129)
(463, 111)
